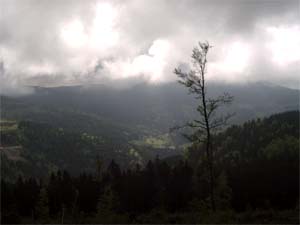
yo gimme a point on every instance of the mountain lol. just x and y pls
(153, 107)
(130, 125)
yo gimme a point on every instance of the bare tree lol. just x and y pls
(208, 121)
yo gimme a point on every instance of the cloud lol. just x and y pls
(10, 85)
(150, 66)
(73, 41)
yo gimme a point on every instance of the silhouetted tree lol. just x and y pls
(195, 81)
(42, 208)
(107, 208)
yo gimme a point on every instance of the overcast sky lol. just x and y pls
(64, 42)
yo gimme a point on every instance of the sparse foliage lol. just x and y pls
(208, 121)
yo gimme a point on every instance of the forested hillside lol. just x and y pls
(42, 148)
(67, 127)
(257, 179)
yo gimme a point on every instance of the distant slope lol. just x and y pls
(35, 148)
(149, 107)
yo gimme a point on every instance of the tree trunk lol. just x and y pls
(208, 143)
(211, 171)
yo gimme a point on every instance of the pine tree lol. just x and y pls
(107, 202)
(223, 192)
(42, 208)
(107, 207)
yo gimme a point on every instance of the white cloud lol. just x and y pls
(234, 61)
(284, 44)
(150, 66)
(73, 34)
(88, 41)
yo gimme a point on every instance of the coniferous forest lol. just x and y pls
(256, 180)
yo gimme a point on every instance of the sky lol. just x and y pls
(71, 42)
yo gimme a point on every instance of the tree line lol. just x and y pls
(157, 192)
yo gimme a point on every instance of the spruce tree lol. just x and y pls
(42, 208)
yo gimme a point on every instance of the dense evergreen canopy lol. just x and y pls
(257, 169)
